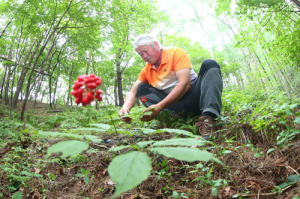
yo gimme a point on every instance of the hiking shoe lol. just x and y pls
(206, 127)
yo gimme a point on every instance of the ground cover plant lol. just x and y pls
(82, 152)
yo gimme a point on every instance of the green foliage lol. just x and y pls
(258, 3)
(18, 195)
(293, 179)
(129, 170)
(85, 174)
(68, 148)
(185, 154)
(55, 134)
(132, 161)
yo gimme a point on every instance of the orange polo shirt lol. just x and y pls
(164, 78)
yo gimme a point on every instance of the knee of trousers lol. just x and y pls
(143, 89)
(208, 64)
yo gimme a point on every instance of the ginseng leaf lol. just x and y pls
(129, 170)
(181, 141)
(68, 148)
(186, 154)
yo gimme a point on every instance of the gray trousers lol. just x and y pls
(203, 98)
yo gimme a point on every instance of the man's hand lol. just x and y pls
(155, 109)
(122, 112)
(129, 102)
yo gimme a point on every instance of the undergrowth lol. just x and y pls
(77, 152)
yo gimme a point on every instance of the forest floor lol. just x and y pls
(254, 165)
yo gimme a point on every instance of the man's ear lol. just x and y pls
(156, 45)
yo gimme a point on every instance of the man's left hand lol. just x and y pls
(155, 109)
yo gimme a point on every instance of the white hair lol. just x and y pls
(145, 39)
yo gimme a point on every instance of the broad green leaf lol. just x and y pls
(79, 175)
(26, 173)
(56, 134)
(125, 115)
(103, 127)
(270, 150)
(293, 106)
(181, 141)
(68, 148)
(18, 195)
(290, 180)
(226, 152)
(86, 180)
(124, 132)
(85, 129)
(177, 131)
(129, 170)
(119, 148)
(143, 144)
(186, 154)
(257, 155)
(297, 120)
(147, 131)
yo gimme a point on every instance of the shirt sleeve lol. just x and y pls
(142, 77)
(181, 60)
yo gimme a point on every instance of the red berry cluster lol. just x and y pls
(84, 89)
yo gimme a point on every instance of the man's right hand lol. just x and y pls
(122, 112)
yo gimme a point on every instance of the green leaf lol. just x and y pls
(181, 141)
(86, 180)
(270, 150)
(177, 131)
(125, 115)
(257, 155)
(293, 179)
(297, 120)
(103, 127)
(85, 129)
(56, 134)
(79, 175)
(129, 170)
(144, 143)
(18, 195)
(186, 154)
(125, 132)
(119, 148)
(68, 148)
(226, 152)
(147, 131)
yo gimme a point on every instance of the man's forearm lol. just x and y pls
(175, 95)
(129, 101)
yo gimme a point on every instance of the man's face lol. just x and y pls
(148, 53)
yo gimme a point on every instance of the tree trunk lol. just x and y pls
(43, 94)
(70, 84)
(115, 91)
(6, 90)
(50, 90)
(5, 29)
(120, 88)
(24, 73)
(3, 81)
(38, 89)
(6, 97)
(54, 93)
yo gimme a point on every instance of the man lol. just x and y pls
(169, 82)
